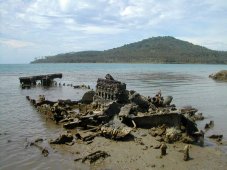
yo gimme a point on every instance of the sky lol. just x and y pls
(32, 29)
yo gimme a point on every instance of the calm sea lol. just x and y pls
(19, 122)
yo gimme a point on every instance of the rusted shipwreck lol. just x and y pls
(45, 80)
(112, 108)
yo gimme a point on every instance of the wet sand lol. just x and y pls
(139, 153)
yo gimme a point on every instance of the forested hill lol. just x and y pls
(152, 50)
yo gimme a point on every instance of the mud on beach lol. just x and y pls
(113, 128)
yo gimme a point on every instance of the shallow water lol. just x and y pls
(19, 122)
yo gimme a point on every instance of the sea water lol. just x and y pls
(20, 122)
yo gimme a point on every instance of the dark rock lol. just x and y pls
(157, 100)
(216, 136)
(112, 109)
(88, 97)
(45, 152)
(198, 116)
(199, 137)
(209, 125)
(93, 157)
(188, 110)
(109, 77)
(39, 140)
(140, 100)
(62, 139)
(163, 148)
(221, 75)
(72, 125)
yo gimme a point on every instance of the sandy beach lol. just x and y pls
(139, 153)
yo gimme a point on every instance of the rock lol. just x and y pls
(140, 100)
(216, 136)
(221, 75)
(72, 125)
(152, 132)
(115, 132)
(159, 138)
(109, 77)
(157, 100)
(157, 146)
(163, 149)
(198, 116)
(186, 153)
(93, 157)
(125, 110)
(41, 98)
(167, 100)
(209, 125)
(200, 137)
(172, 135)
(45, 152)
(62, 139)
(39, 140)
(188, 110)
(88, 97)
(187, 139)
(111, 109)
(161, 130)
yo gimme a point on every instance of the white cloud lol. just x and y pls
(60, 23)
(16, 43)
(132, 11)
(64, 4)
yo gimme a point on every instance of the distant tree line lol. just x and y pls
(152, 50)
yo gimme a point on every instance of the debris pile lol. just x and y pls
(114, 112)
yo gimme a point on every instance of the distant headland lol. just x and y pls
(152, 50)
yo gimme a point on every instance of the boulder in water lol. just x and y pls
(221, 75)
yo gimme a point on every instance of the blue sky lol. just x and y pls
(36, 28)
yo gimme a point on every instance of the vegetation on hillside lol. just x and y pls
(152, 50)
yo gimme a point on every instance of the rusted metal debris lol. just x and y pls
(45, 80)
(115, 111)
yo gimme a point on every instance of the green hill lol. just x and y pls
(152, 50)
